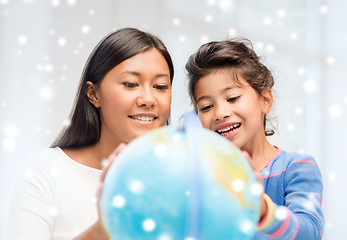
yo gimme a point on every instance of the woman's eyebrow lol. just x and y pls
(139, 74)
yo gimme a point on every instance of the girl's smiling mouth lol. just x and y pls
(230, 129)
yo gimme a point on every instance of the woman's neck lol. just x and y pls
(92, 155)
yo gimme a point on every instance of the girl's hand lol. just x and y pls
(263, 206)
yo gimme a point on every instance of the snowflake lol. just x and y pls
(118, 201)
(55, 3)
(270, 48)
(291, 126)
(301, 70)
(148, 225)
(136, 186)
(310, 86)
(330, 61)
(225, 5)
(298, 110)
(246, 226)
(238, 185)
(165, 237)
(46, 93)
(281, 13)
(22, 40)
(208, 18)
(61, 41)
(3, 2)
(9, 145)
(160, 150)
(176, 21)
(71, 2)
(259, 46)
(257, 189)
(48, 68)
(335, 110)
(293, 36)
(182, 38)
(324, 9)
(85, 29)
(204, 39)
(232, 32)
(211, 2)
(267, 20)
(10, 130)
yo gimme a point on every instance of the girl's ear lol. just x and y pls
(267, 100)
(91, 94)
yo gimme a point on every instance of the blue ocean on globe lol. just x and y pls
(180, 184)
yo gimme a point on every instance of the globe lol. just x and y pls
(184, 183)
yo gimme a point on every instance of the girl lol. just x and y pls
(231, 92)
(125, 91)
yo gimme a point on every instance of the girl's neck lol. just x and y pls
(260, 154)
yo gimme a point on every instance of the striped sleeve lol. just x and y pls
(301, 217)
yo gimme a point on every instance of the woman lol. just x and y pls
(125, 91)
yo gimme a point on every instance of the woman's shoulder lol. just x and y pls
(42, 160)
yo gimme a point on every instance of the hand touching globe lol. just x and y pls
(180, 184)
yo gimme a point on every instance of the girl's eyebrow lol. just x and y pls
(201, 98)
(223, 90)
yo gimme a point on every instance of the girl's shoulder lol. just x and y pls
(293, 157)
(294, 161)
(283, 159)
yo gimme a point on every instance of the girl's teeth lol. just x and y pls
(224, 131)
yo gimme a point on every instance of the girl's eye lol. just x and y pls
(129, 84)
(233, 99)
(161, 87)
(205, 108)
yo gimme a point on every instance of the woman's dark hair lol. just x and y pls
(116, 47)
(238, 56)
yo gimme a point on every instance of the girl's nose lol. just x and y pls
(221, 112)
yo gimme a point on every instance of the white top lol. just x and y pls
(54, 198)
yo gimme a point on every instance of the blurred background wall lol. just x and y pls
(45, 43)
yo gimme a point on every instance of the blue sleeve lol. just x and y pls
(301, 217)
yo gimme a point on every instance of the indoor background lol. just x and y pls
(45, 43)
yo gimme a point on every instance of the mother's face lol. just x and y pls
(134, 97)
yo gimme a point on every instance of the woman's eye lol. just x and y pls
(233, 99)
(161, 87)
(129, 84)
(205, 108)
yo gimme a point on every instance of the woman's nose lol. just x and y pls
(146, 98)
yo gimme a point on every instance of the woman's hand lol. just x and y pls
(97, 230)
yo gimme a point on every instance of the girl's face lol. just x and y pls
(235, 111)
(134, 97)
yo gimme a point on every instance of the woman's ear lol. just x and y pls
(267, 100)
(91, 94)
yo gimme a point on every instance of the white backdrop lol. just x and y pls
(45, 43)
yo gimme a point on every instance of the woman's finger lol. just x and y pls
(111, 158)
